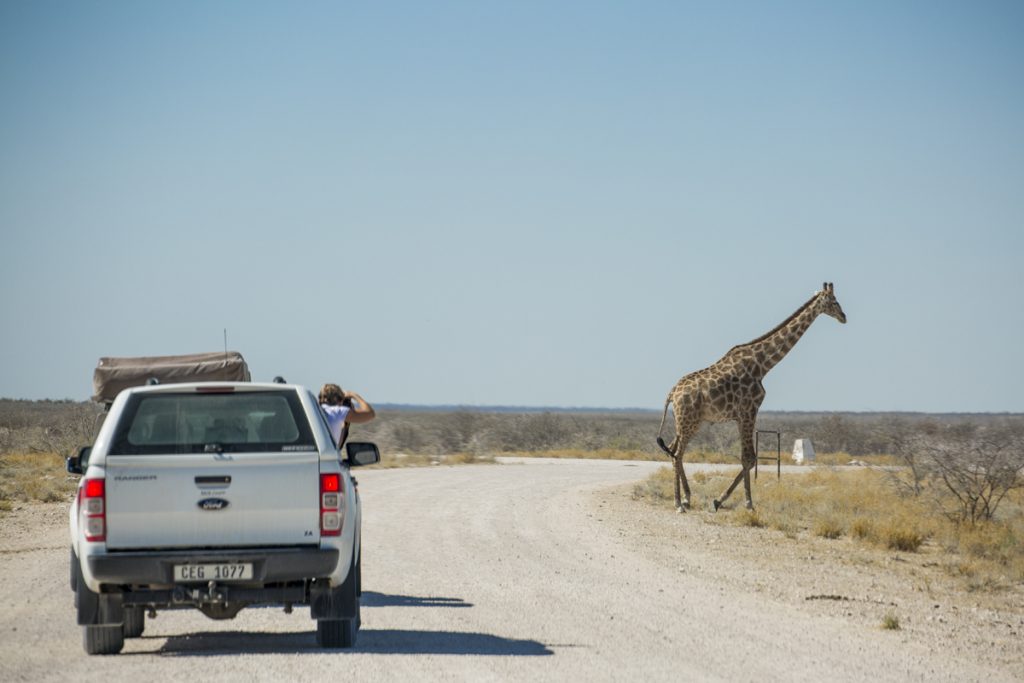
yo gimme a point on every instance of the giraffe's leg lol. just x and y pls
(746, 487)
(677, 467)
(684, 432)
(748, 466)
(686, 484)
(749, 459)
(670, 450)
(719, 502)
(746, 428)
(682, 504)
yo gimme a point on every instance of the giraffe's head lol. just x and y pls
(828, 304)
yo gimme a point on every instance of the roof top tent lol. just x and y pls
(113, 375)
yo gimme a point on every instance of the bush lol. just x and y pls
(34, 477)
(862, 529)
(750, 518)
(967, 469)
(906, 539)
(828, 527)
(657, 487)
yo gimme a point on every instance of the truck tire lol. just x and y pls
(103, 640)
(134, 621)
(342, 632)
(106, 637)
(359, 574)
(73, 566)
(336, 633)
(85, 600)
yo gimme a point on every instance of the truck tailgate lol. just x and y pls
(219, 500)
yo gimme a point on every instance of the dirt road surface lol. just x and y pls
(537, 571)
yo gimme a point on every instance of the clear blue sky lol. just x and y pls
(528, 203)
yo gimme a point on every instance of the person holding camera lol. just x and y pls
(343, 408)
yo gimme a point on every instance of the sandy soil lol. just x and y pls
(853, 583)
(545, 571)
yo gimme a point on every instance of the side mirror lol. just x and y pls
(76, 464)
(361, 453)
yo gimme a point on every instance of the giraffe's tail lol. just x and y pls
(661, 442)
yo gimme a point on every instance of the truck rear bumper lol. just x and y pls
(269, 565)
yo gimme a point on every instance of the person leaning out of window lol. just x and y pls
(343, 408)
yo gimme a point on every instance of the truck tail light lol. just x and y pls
(93, 510)
(332, 504)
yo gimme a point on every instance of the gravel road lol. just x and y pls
(484, 572)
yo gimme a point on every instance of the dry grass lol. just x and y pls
(713, 457)
(903, 534)
(702, 456)
(34, 477)
(837, 459)
(751, 518)
(598, 454)
(862, 528)
(829, 527)
(396, 460)
(865, 506)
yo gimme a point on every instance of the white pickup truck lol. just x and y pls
(215, 496)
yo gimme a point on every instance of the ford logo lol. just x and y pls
(213, 504)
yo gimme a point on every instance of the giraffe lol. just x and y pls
(731, 390)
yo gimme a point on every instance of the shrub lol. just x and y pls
(34, 477)
(750, 518)
(902, 536)
(468, 458)
(969, 469)
(657, 487)
(828, 527)
(862, 529)
(891, 622)
(989, 541)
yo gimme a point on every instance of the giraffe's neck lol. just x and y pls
(765, 352)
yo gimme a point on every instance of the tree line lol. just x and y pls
(970, 462)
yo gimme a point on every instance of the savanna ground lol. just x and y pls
(922, 536)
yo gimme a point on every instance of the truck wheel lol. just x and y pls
(336, 633)
(85, 599)
(102, 640)
(359, 574)
(73, 565)
(349, 592)
(134, 621)
(342, 632)
(97, 639)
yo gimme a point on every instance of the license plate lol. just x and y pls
(240, 571)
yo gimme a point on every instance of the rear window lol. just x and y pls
(235, 422)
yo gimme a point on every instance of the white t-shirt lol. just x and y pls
(335, 419)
